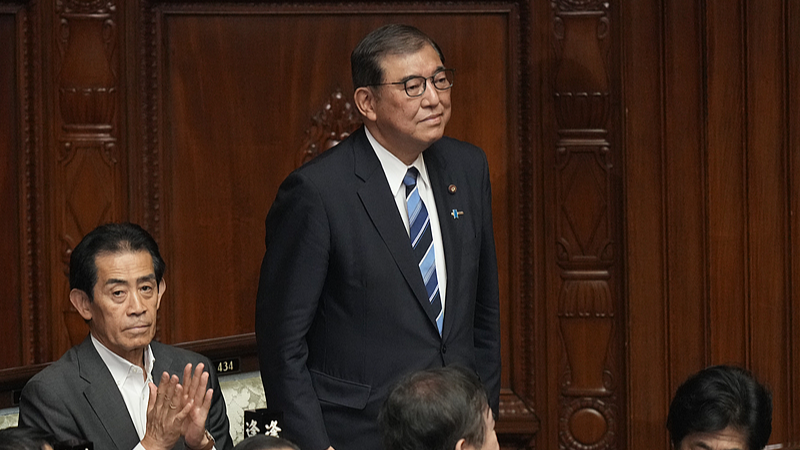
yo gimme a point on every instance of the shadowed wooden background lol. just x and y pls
(644, 157)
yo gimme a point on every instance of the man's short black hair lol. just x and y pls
(434, 409)
(110, 238)
(393, 39)
(24, 439)
(718, 397)
(263, 442)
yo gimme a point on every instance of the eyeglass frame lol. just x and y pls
(424, 82)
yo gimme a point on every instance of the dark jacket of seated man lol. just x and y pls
(120, 389)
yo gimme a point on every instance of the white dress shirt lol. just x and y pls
(395, 170)
(132, 384)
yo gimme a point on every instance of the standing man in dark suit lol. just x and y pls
(380, 256)
(120, 389)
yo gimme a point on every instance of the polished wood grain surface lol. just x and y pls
(643, 154)
(10, 185)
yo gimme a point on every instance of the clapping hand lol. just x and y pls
(166, 414)
(198, 399)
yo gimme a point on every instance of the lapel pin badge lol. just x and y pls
(452, 189)
(456, 213)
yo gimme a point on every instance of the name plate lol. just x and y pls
(227, 365)
(262, 421)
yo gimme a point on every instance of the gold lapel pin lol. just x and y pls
(456, 213)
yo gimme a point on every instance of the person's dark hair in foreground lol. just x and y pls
(25, 439)
(719, 399)
(263, 442)
(437, 409)
(110, 238)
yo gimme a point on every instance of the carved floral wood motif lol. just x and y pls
(334, 122)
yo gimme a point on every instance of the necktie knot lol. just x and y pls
(410, 180)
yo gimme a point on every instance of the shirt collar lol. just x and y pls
(394, 169)
(120, 367)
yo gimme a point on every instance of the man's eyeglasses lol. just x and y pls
(442, 80)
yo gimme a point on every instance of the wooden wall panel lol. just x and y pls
(792, 107)
(20, 189)
(645, 227)
(727, 198)
(684, 180)
(238, 70)
(644, 158)
(725, 72)
(237, 87)
(767, 202)
(11, 218)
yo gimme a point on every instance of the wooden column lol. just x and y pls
(585, 222)
(87, 155)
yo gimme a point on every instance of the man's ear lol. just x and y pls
(462, 445)
(162, 286)
(80, 300)
(364, 98)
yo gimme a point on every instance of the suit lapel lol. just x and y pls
(379, 203)
(440, 181)
(104, 397)
(163, 363)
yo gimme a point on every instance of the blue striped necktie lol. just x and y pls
(422, 242)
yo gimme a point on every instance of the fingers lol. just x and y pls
(187, 378)
(151, 402)
(166, 388)
(166, 412)
(161, 394)
(207, 399)
(200, 400)
(195, 383)
(180, 413)
(200, 390)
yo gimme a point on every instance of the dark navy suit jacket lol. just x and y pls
(342, 312)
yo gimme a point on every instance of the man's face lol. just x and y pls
(726, 439)
(406, 125)
(126, 299)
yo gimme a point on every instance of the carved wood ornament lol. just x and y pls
(333, 123)
(87, 163)
(585, 252)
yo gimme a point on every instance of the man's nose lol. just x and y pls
(431, 94)
(136, 304)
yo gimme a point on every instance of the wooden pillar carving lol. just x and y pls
(589, 377)
(90, 187)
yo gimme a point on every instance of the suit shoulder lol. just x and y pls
(338, 156)
(63, 372)
(455, 151)
(177, 353)
(454, 143)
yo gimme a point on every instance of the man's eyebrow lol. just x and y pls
(408, 77)
(150, 277)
